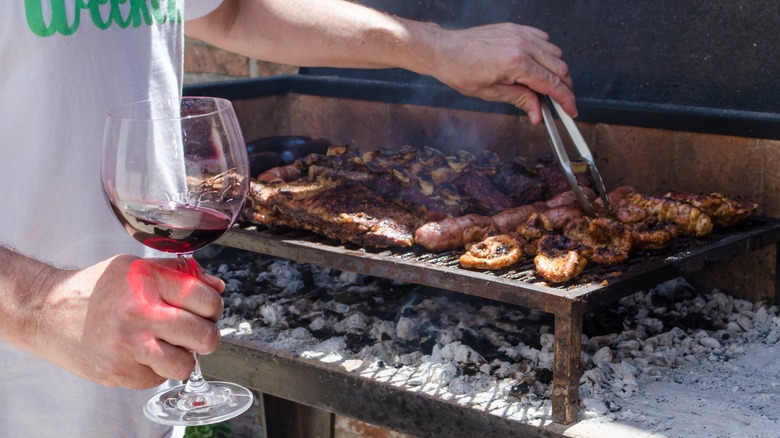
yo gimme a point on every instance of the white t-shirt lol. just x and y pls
(61, 69)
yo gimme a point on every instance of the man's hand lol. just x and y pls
(128, 322)
(504, 63)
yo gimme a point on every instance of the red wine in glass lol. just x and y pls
(181, 228)
(176, 175)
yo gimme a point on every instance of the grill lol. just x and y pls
(332, 388)
(520, 286)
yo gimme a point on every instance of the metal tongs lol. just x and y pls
(563, 157)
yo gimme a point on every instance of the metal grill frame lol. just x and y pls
(567, 304)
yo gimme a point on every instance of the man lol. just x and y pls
(77, 341)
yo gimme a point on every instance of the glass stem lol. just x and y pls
(187, 264)
(196, 382)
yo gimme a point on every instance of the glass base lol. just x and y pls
(177, 407)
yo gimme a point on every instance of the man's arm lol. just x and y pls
(22, 284)
(123, 322)
(502, 62)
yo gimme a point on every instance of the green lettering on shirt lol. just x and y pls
(65, 17)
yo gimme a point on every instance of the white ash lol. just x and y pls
(496, 357)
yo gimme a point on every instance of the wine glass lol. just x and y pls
(175, 173)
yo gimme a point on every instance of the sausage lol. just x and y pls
(508, 220)
(567, 198)
(454, 232)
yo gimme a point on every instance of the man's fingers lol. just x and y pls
(539, 33)
(182, 328)
(212, 281)
(528, 101)
(166, 360)
(189, 293)
(546, 82)
(550, 75)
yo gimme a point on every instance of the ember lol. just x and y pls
(497, 357)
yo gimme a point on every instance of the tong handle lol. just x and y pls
(582, 149)
(563, 158)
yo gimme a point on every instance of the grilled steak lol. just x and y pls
(522, 186)
(408, 196)
(340, 209)
(484, 196)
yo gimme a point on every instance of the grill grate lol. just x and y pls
(686, 253)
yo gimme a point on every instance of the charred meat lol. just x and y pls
(724, 211)
(559, 258)
(534, 228)
(494, 252)
(484, 196)
(522, 184)
(362, 217)
(409, 196)
(691, 220)
(497, 211)
(652, 235)
(608, 240)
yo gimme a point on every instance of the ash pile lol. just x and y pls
(495, 357)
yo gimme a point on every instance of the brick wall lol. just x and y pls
(205, 63)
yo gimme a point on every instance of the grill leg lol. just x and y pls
(777, 275)
(566, 366)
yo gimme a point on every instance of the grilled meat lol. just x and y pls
(559, 258)
(418, 180)
(526, 183)
(534, 228)
(362, 217)
(569, 198)
(647, 231)
(485, 197)
(508, 220)
(563, 214)
(555, 181)
(456, 232)
(624, 212)
(435, 206)
(522, 186)
(652, 235)
(289, 172)
(384, 198)
(724, 211)
(617, 195)
(409, 196)
(691, 220)
(609, 241)
(491, 253)
(630, 213)
(564, 207)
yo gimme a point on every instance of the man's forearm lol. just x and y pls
(23, 285)
(333, 33)
(500, 62)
